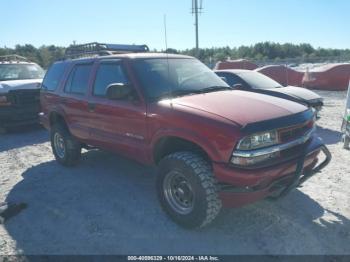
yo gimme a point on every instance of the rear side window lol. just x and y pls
(78, 79)
(53, 76)
(108, 73)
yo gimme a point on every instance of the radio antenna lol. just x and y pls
(165, 34)
(167, 59)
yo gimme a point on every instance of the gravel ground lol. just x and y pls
(108, 205)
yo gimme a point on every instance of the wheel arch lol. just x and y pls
(57, 118)
(171, 144)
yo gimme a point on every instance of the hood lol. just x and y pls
(241, 107)
(6, 86)
(299, 93)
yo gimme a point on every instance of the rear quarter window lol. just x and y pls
(78, 79)
(53, 76)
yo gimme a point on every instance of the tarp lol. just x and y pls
(235, 64)
(282, 74)
(329, 77)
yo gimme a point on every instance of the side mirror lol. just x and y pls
(118, 91)
(238, 86)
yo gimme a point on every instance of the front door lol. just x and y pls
(117, 125)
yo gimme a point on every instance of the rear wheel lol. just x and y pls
(66, 149)
(187, 190)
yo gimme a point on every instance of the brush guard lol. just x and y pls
(300, 175)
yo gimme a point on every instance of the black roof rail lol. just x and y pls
(98, 49)
(13, 58)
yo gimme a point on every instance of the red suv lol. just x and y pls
(213, 146)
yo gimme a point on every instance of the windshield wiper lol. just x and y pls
(177, 93)
(184, 92)
(181, 92)
(214, 88)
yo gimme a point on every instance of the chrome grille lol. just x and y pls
(26, 97)
(292, 133)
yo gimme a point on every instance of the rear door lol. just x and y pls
(74, 99)
(118, 125)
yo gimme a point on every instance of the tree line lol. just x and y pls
(270, 52)
(44, 55)
(265, 51)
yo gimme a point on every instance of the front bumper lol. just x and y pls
(241, 187)
(44, 120)
(13, 116)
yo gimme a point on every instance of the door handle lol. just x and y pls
(91, 107)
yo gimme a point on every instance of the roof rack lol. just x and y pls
(13, 58)
(98, 49)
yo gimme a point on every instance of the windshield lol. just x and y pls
(20, 72)
(165, 78)
(258, 80)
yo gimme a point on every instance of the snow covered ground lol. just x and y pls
(108, 205)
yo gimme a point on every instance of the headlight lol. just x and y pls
(259, 140)
(4, 101)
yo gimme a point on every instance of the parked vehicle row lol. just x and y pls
(20, 83)
(213, 145)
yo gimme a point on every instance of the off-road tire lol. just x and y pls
(72, 147)
(206, 204)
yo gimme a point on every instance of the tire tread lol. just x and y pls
(204, 172)
(73, 148)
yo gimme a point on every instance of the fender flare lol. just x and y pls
(193, 137)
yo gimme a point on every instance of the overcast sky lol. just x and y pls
(322, 23)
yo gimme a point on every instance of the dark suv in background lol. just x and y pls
(213, 146)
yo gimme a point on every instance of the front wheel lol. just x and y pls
(187, 190)
(66, 149)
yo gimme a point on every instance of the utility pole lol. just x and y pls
(196, 10)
